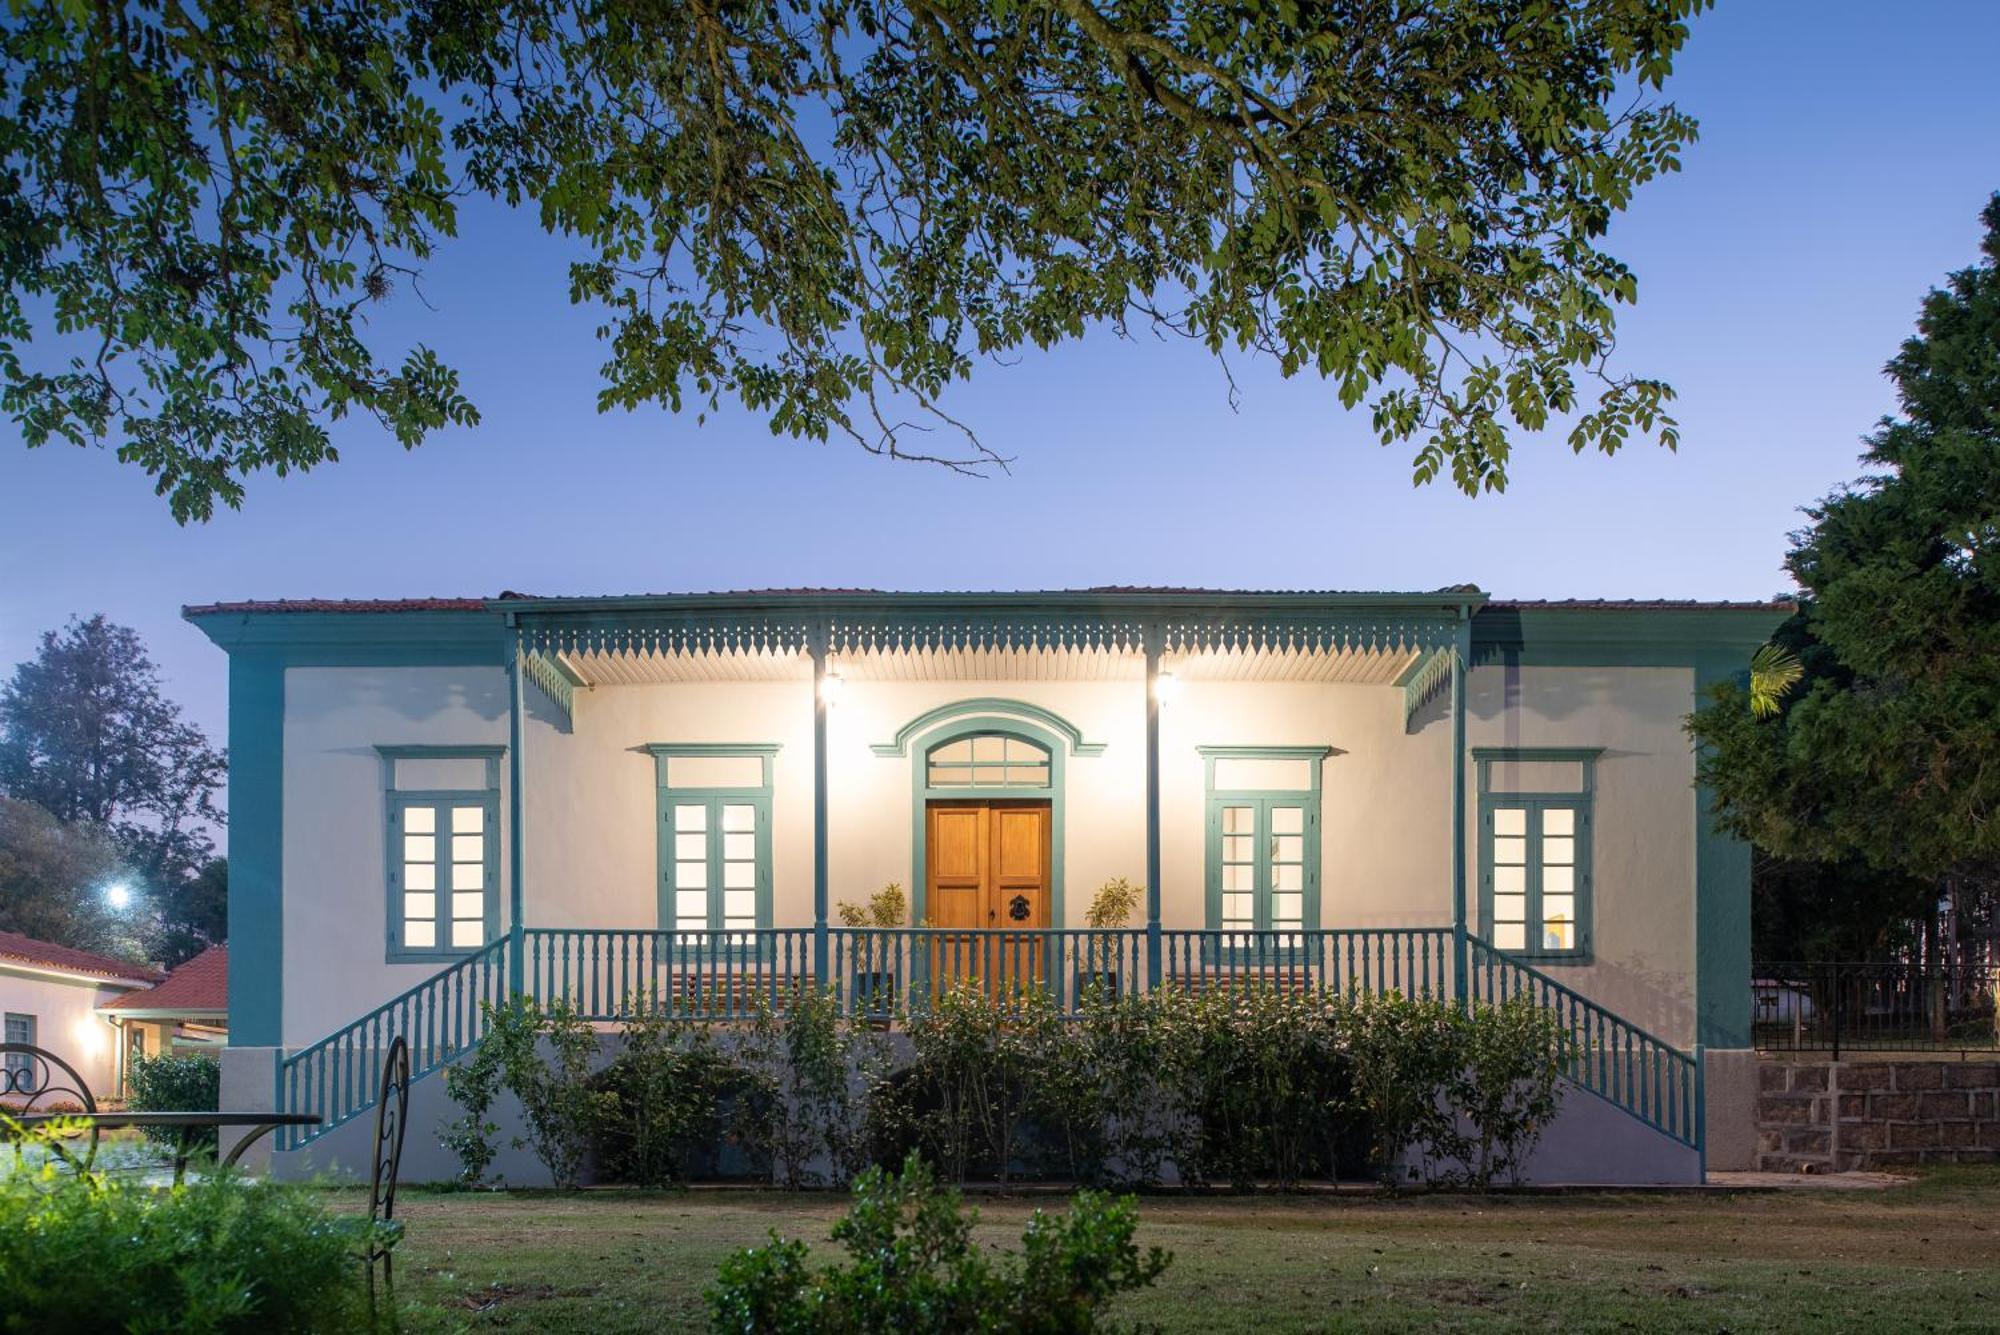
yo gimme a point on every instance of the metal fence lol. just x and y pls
(1896, 1007)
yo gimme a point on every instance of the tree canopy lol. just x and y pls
(827, 211)
(91, 746)
(50, 873)
(1886, 755)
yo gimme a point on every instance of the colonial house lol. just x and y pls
(442, 800)
(53, 997)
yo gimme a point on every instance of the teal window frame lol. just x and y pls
(922, 794)
(1218, 948)
(396, 802)
(713, 798)
(15, 1022)
(974, 765)
(1581, 801)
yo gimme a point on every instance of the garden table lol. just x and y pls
(187, 1123)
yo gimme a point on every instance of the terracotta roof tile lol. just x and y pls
(340, 605)
(48, 955)
(202, 984)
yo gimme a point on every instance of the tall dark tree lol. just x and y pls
(1886, 753)
(87, 735)
(193, 914)
(828, 211)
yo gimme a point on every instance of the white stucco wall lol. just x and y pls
(1643, 837)
(591, 795)
(67, 1023)
(1385, 816)
(336, 899)
(589, 808)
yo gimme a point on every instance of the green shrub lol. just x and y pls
(818, 1067)
(1506, 1090)
(175, 1083)
(543, 1058)
(1405, 1056)
(475, 1082)
(914, 1269)
(1256, 1084)
(671, 1101)
(963, 1098)
(82, 1254)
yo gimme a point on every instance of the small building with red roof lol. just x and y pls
(188, 1009)
(52, 996)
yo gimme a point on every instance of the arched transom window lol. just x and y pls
(987, 760)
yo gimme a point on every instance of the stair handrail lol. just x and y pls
(439, 1018)
(1610, 1055)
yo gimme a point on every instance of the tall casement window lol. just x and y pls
(1263, 843)
(20, 1066)
(715, 840)
(1534, 849)
(444, 849)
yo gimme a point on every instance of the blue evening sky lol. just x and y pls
(1846, 151)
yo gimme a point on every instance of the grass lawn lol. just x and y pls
(1925, 1256)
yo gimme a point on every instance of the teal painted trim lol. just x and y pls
(1461, 662)
(556, 681)
(821, 881)
(1722, 900)
(766, 752)
(1055, 602)
(713, 800)
(1426, 677)
(1583, 802)
(1155, 945)
(494, 752)
(257, 849)
(517, 834)
(1586, 755)
(1620, 637)
(922, 795)
(1113, 620)
(360, 639)
(1263, 800)
(396, 802)
(988, 705)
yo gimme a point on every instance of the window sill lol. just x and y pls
(434, 956)
(1548, 956)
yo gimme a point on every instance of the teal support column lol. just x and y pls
(1721, 898)
(1461, 662)
(1153, 943)
(256, 848)
(517, 898)
(820, 888)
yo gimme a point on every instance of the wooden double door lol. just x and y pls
(988, 867)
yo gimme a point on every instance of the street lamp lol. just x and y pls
(118, 895)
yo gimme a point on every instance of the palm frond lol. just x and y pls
(1774, 670)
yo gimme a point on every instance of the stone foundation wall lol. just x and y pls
(1827, 1116)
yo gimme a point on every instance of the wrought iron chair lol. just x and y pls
(392, 1115)
(35, 1080)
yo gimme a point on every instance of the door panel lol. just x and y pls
(988, 867)
(956, 896)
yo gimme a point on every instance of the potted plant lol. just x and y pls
(874, 963)
(1111, 908)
